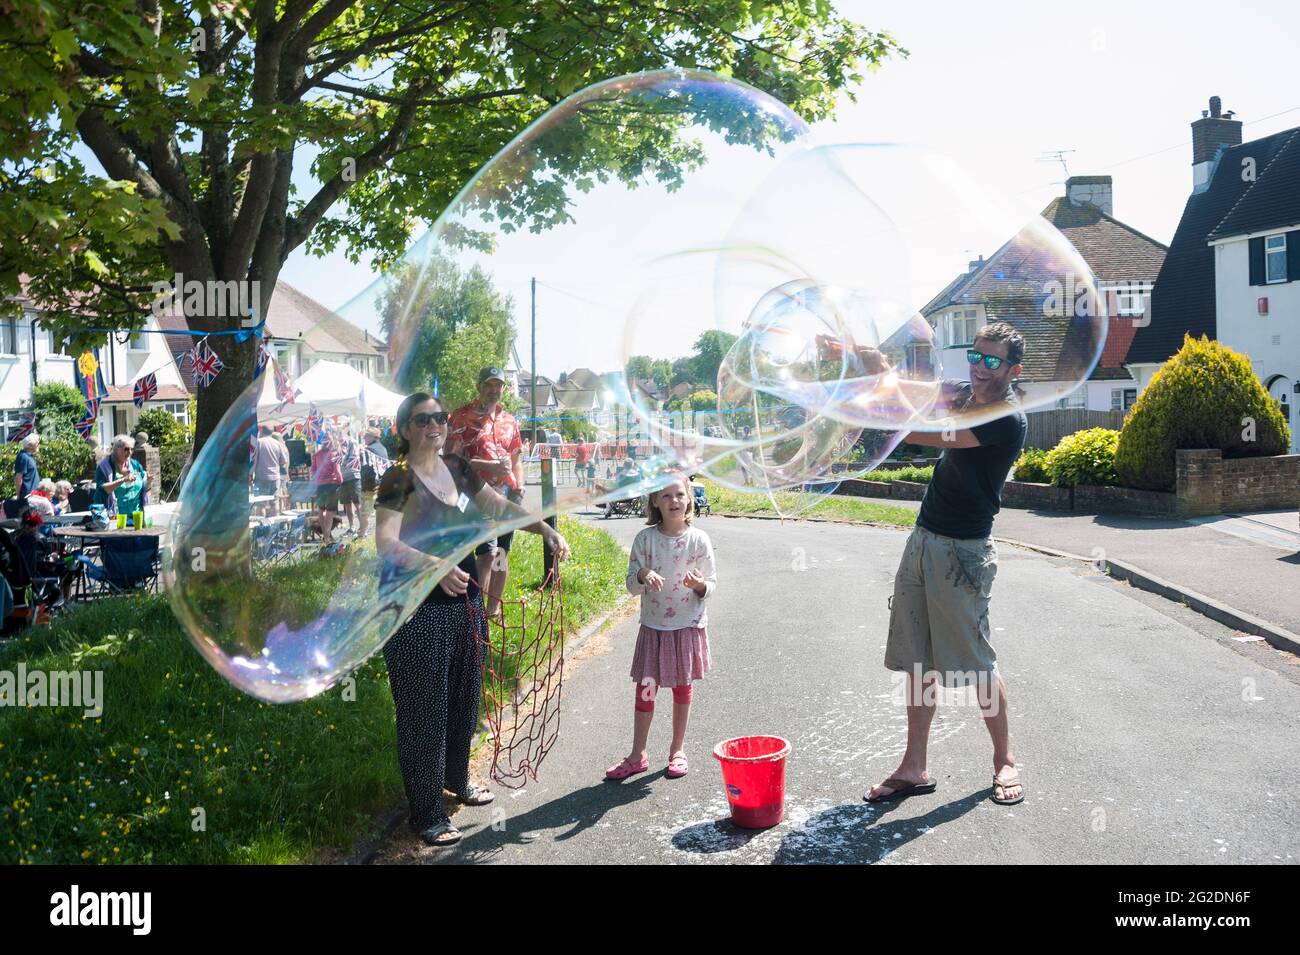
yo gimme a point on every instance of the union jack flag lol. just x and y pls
(315, 425)
(145, 388)
(87, 424)
(25, 426)
(206, 363)
(375, 461)
(263, 356)
(284, 389)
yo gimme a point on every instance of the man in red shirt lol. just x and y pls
(488, 435)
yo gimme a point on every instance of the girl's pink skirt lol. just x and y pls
(671, 657)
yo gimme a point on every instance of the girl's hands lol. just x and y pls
(695, 580)
(455, 584)
(652, 581)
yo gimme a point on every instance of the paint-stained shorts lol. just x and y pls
(939, 613)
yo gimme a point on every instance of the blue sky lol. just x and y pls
(997, 85)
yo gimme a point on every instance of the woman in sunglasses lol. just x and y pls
(429, 504)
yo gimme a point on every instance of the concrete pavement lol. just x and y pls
(1145, 732)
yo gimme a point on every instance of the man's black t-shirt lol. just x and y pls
(966, 490)
(430, 525)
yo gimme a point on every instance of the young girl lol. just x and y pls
(671, 566)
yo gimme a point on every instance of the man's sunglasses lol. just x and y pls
(991, 362)
(422, 419)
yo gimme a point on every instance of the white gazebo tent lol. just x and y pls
(333, 388)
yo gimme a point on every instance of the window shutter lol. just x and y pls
(1257, 261)
(1293, 256)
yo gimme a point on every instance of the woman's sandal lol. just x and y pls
(627, 768)
(475, 796)
(443, 834)
(677, 766)
(1006, 784)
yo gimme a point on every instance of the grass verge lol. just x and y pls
(797, 504)
(182, 768)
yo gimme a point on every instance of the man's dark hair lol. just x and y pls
(1005, 332)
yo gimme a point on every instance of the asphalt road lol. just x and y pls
(1144, 732)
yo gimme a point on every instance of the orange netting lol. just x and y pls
(523, 673)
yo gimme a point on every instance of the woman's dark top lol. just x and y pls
(428, 524)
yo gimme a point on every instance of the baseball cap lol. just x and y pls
(488, 373)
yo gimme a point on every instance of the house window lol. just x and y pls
(10, 420)
(1131, 301)
(359, 364)
(964, 325)
(139, 342)
(180, 410)
(8, 335)
(1275, 259)
(1121, 399)
(1075, 399)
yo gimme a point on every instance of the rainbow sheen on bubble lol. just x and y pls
(670, 214)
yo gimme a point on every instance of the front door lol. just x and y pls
(1283, 391)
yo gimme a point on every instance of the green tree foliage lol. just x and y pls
(710, 348)
(197, 112)
(161, 426)
(704, 400)
(1205, 396)
(58, 408)
(1085, 457)
(461, 317)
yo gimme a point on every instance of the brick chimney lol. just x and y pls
(1094, 189)
(1212, 132)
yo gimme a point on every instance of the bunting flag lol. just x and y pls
(25, 425)
(315, 428)
(87, 424)
(206, 363)
(144, 389)
(88, 375)
(375, 461)
(284, 389)
(263, 356)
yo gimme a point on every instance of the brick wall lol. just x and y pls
(1253, 484)
(1032, 496)
(1090, 499)
(1199, 482)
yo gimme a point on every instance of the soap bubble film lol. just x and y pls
(716, 293)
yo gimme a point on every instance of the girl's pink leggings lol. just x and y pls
(645, 696)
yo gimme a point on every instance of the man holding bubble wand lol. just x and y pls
(938, 623)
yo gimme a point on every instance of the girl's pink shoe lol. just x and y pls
(677, 766)
(627, 768)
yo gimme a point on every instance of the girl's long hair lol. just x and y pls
(655, 516)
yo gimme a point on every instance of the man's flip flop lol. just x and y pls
(902, 788)
(1007, 784)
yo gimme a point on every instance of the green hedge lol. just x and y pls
(1085, 457)
(59, 459)
(1206, 396)
(1032, 466)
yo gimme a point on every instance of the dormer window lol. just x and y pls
(963, 325)
(1131, 300)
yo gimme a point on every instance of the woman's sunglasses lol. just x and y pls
(991, 362)
(423, 419)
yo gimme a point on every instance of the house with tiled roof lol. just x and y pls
(1233, 269)
(1011, 286)
(28, 356)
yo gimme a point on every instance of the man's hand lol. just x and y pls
(559, 546)
(652, 581)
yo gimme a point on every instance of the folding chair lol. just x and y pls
(126, 563)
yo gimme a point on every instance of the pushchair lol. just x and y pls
(631, 506)
(701, 499)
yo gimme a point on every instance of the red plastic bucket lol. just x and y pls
(753, 772)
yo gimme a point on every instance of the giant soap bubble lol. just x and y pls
(706, 287)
